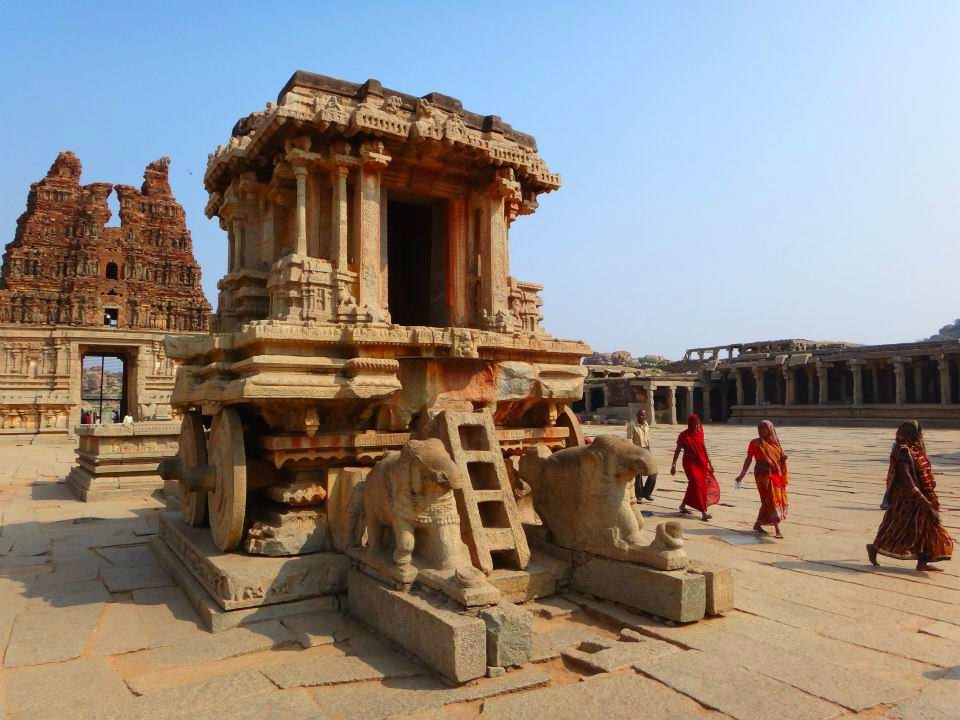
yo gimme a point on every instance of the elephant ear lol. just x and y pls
(589, 462)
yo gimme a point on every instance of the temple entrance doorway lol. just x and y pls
(104, 382)
(417, 262)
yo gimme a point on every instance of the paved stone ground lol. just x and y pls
(91, 627)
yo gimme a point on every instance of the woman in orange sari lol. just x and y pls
(770, 472)
(703, 490)
(911, 527)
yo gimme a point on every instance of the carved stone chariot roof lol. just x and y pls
(344, 109)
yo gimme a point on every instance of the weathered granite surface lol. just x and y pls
(235, 580)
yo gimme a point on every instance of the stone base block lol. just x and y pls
(719, 582)
(451, 643)
(236, 580)
(91, 487)
(509, 635)
(541, 578)
(674, 594)
(216, 619)
(281, 531)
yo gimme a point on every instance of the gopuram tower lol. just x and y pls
(75, 293)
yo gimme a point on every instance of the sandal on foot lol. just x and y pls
(759, 530)
(706, 516)
(684, 510)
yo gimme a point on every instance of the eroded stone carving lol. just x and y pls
(410, 492)
(583, 496)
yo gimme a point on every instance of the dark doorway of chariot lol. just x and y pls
(103, 387)
(416, 263)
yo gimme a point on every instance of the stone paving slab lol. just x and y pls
(60, 690)
(549, 645)
(414, 695)
(734, 691)
(242, 696)
(50, 634)
(940, 701)
(127, 578)
(307, 672)
(206, 647)
(120, 630)
(617, 696)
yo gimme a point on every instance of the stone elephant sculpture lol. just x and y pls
(584, 496)
(411, 492)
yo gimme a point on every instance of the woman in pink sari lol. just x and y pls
(703, 490)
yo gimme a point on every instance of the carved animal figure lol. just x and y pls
(583, 495)
(411, 492)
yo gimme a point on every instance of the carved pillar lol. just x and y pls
(918, 381)
(267, 230)
(944, 366)
(494, 266)
(339, 231)
(688, 391)
(239, 241)
(300, 173)
(672, 404)
(823, 375)
(856, 368)
(790, 391)
(367, 214)
(758, 382)
(706, 403)
(741, 394)
(724, 400)
(900, 373)
(875, 382)
(456, 259)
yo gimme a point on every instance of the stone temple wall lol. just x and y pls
(69, 287)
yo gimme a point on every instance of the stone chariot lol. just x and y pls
(367, 291)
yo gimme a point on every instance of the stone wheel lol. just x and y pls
(193, 454)
(228, 499)
(568, 418)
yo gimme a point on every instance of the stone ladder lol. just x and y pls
(489, 519)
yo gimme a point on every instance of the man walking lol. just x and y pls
(639, 434)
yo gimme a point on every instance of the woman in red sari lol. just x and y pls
(770, 473)
(703, 490)
(911, 527)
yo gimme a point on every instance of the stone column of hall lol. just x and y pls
(918, 381)
(856, 369)
(811, 371)
(875, 381)
(366, 208)
(741, 391)
(706, 403)
(651, 407)
(823, 375)
(943, 364)
(900, 373)
(672, 405)
(790, 383)
(761, 393)
(688, 391)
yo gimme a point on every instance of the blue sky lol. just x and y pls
(732, 171)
